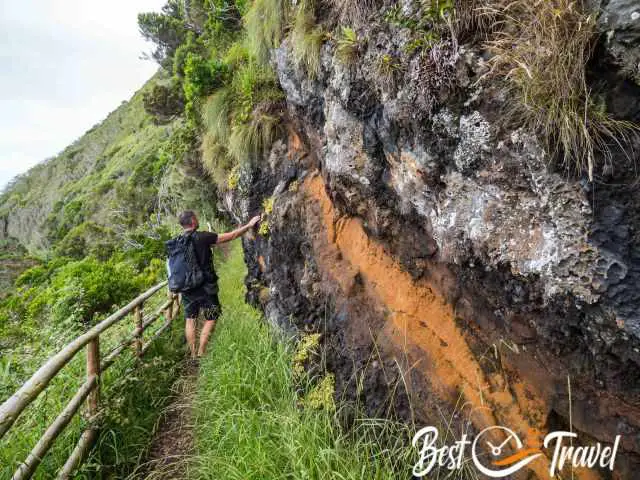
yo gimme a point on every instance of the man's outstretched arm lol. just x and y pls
(228, 236)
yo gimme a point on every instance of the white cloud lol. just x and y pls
(64, 65)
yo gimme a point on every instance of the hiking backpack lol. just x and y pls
(183, 268)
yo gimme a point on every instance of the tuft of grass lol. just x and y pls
(247, 140)
(353, 11)
(242, 119)
(475, 17)
(249, 421)
(237, 54)
(215, 159)
(216, 114)
(347, 46)
(264, 23)
(542, 49)
(388, 68)
(306, 38)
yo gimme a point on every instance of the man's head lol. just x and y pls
(188, 220)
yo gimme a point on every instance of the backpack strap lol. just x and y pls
(190, 235)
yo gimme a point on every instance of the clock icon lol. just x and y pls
(506, 465)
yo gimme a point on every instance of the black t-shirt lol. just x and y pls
(203, 241)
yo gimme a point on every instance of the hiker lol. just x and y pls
(197, 281)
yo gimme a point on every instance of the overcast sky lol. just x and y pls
(64, 65)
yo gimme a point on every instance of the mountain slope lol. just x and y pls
(109, 181)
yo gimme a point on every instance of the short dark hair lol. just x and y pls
(186, 218)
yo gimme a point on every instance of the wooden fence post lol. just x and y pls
(93, 368)
(137, 317)
(90, 435)
(176, 305)
(169, 312)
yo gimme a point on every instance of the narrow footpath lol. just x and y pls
(172, 444)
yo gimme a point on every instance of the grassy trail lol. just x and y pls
(172, 445)
(249, 422)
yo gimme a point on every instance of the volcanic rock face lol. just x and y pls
(452, 272)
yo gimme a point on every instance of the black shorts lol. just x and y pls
(202, 299)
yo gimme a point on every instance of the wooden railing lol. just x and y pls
(11, 409)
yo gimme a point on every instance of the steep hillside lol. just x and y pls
(124, 173)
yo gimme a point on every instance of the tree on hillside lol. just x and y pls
(163, 102)
(184, 22)
(167, 30)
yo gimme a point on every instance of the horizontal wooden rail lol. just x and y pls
(79, 453)
(29, 466)
(15, 405)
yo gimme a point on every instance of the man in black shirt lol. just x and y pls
(205, 297)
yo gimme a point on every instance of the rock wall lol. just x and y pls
(453, 273)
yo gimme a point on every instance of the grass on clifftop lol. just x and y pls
(249, 420)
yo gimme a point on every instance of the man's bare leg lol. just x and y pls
(190, 333)
(207, 328)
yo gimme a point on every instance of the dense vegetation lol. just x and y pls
(218, 52)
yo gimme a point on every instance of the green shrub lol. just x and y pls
(104, 187)
(150, 169)
(201, 77)
(144, 245)
(65, 216)
(191, 45)
(88, 238)
(78, 291)
(347, 46)
(33, 276)
(163, 102)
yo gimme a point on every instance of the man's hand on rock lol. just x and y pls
(253, 221)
